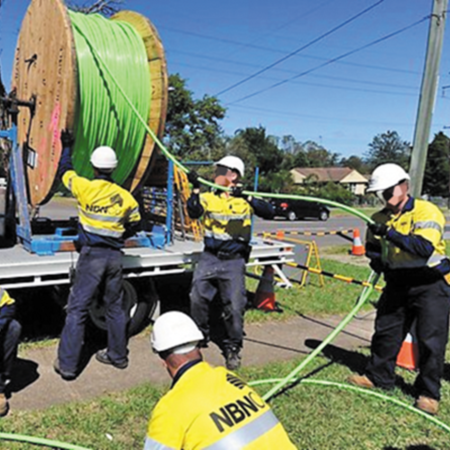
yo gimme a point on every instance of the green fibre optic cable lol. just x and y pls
(291, 376)
(40, 441)
(104, 65)
(359, 390)
(103, 116)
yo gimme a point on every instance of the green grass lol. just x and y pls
(335, 297)
(316, 418)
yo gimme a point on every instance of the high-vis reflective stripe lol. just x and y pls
(218, 236)
(151, 444)
(238, 439)
(102, 231)
(430, 225)
(100, 217)
(228, 217)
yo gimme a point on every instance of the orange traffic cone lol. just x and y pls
(280, 234)
(357, 247)
(408, 357)
(265, 295)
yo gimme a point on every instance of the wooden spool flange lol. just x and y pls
(44, 67)
(159, 85)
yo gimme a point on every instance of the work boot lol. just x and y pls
(4, 405)
(64, 374)
(102, 356)
(232, 358)
(361, 381)
(427, 404)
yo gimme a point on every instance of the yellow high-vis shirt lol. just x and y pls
(211, 408)
(421, 218)
(226, 217)
(103, 206)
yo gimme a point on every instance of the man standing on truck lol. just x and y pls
(221, 270)
(108, 214)
(417, 274)
(206, 407)
(9, 340)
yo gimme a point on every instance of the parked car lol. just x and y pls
(300, 209)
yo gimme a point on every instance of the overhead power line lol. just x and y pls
(295, 52)
(287, 71)
(333, 60)
(326, 86)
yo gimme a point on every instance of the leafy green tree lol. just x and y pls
(436, 179)
(354, 162)
(388, 148)
(257, 150)
(319, 156)
(192, 126)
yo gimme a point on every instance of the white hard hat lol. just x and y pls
(386, 176)
(175, 331)
(232, 162)
(104, 158)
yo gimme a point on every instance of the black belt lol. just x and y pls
(225, 256)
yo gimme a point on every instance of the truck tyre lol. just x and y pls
(139, 309)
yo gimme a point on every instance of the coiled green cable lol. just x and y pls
(103, 116)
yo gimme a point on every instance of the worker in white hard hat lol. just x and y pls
(107, 215)
(226, 217)
(206, 407)
(417, 275)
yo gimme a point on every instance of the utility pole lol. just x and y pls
(427, 96)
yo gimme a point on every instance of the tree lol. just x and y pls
(192, 126)
(436, 179)
(104, 7)
(261, 150)
(319, 156)
(388, 148)
(355, 163)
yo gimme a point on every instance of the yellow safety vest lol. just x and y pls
(103, 206)
(5, 299)
(226, 218)
(212, 409)
(422, 219)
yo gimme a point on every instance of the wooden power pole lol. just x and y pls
(427, 96)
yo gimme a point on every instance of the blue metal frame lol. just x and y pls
(49, 244)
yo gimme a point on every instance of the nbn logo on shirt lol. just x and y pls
(235, 412)
(97, 209)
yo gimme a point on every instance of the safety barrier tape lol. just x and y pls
(306, 233)
(332, 275)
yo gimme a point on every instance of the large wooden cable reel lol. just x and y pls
(45, 67)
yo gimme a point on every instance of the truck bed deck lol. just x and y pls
(19, 268)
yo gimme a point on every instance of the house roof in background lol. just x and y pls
(325, 174)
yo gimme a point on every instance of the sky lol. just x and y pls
(320, 84)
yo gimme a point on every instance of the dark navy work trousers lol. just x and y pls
(227, 279)
(429, 304)
(9, 340)
(96, 266)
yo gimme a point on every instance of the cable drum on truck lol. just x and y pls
(140, 300)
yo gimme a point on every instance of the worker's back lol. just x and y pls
(211, 408)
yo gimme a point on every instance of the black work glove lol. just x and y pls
(67, 138)
(376, 265)
(237, 191)
(193, 179)
(378, 229)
